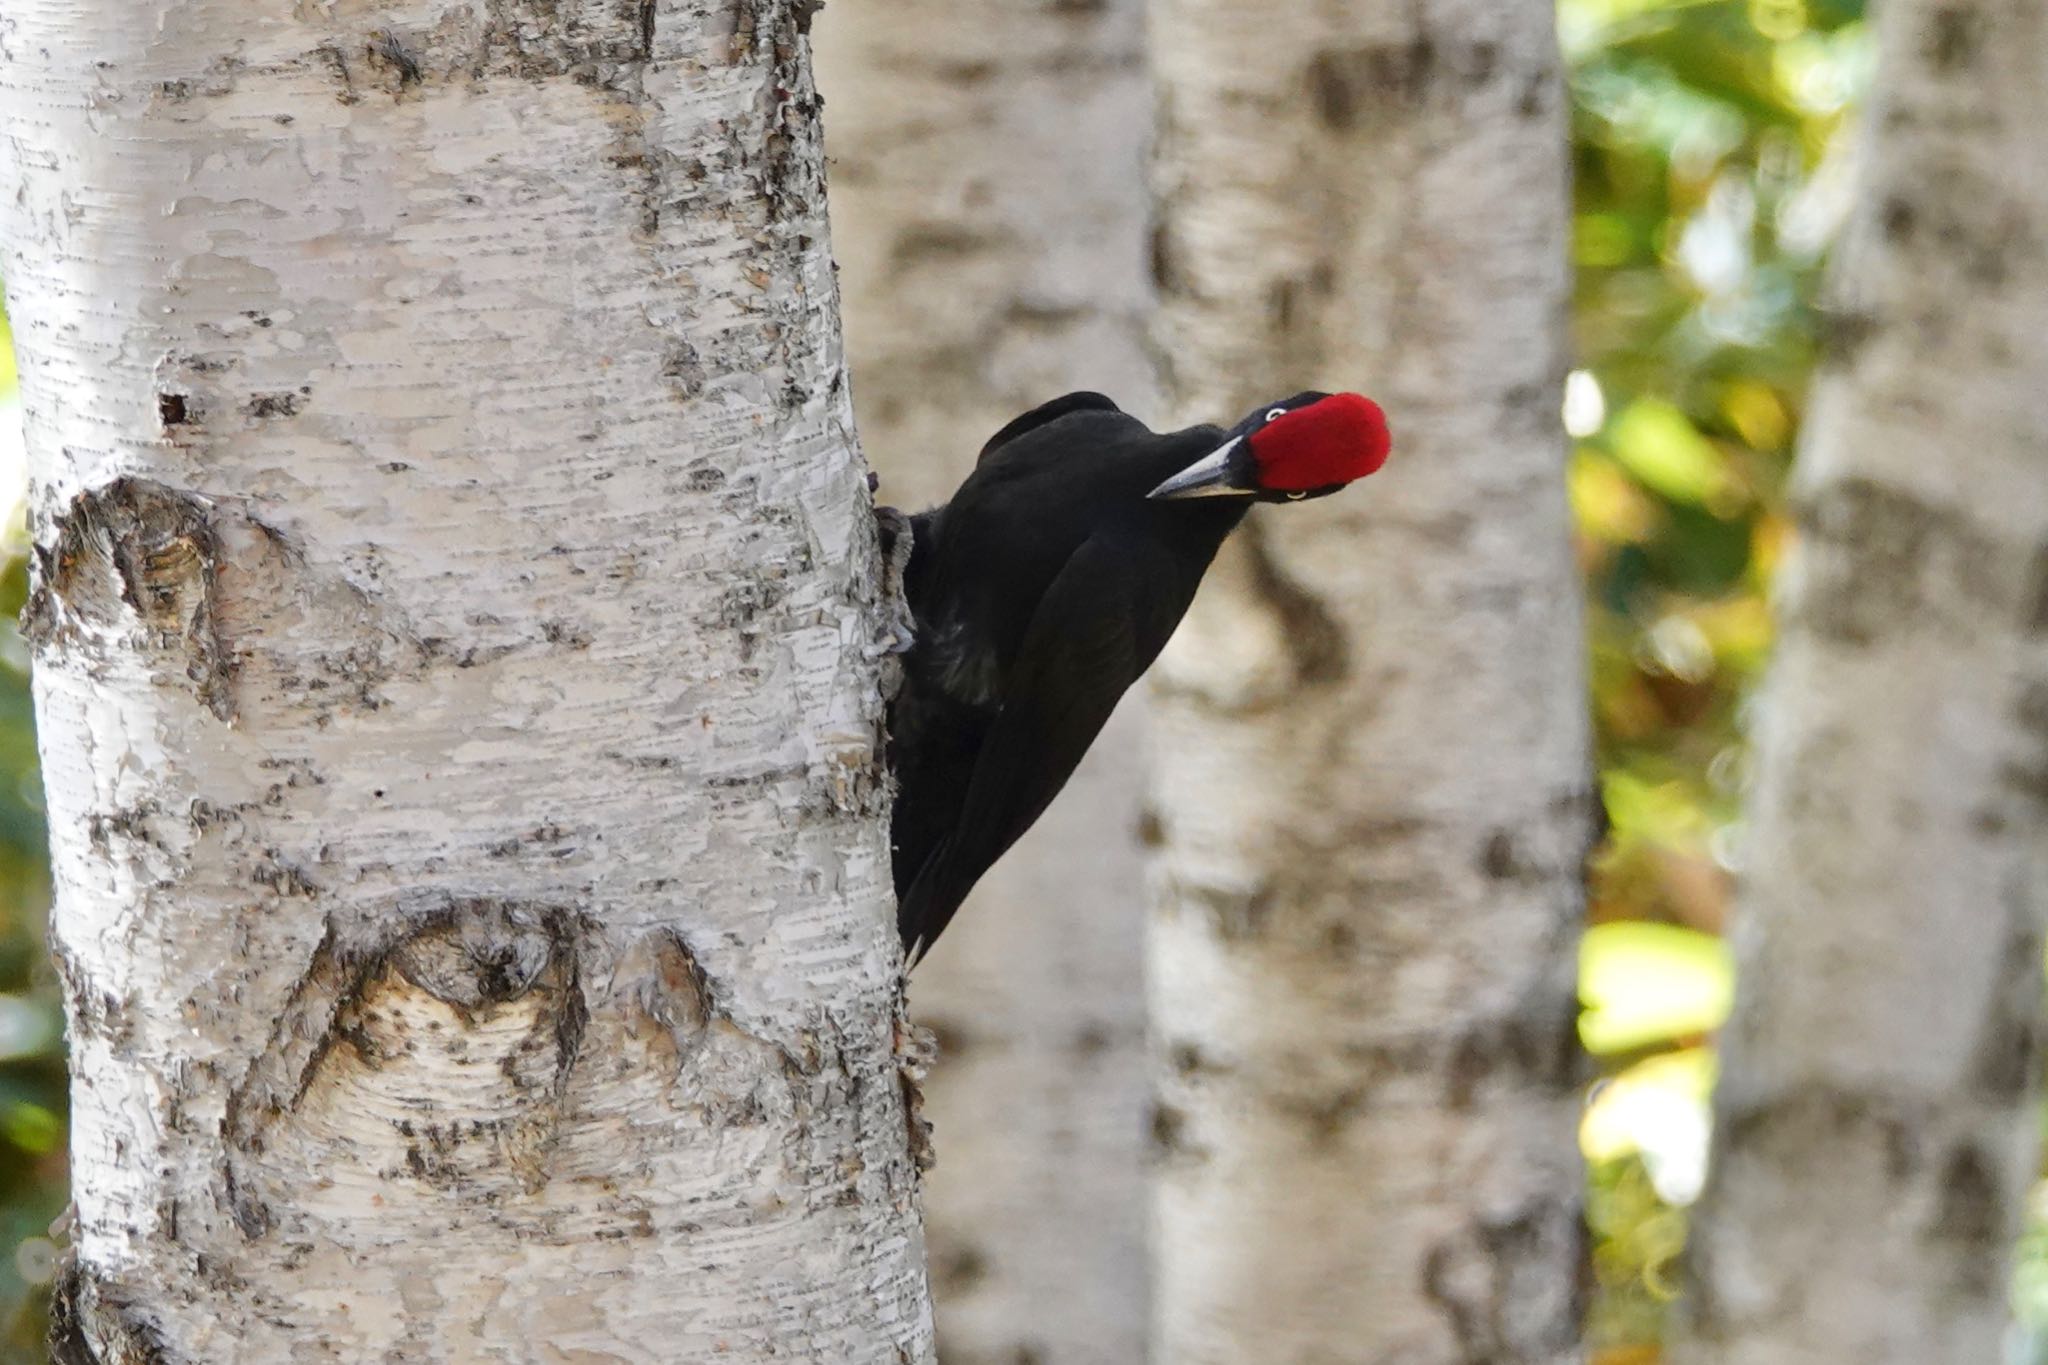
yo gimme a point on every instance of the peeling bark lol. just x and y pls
(990, 212)
(454, 610)
(1875, 1122)
(1372, 794)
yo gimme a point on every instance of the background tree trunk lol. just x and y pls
(990, 213)
(1875, 1121)
(452, 618)
(1373, 754)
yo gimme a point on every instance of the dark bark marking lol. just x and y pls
(282, 876)
(1497, 859)
(1897, 219)
(683, 366)
(90, 1011)
(386, 51)
(1163, 259)
(539, 41)
(1347, 86)
(1954, 39)
(1843, 333)
(1878, 553)
(1832, 1109)
(1315, 642)
(1325, 1118)
(135, 553)
(172, 410)
(1537, 1046)
(1169, 1132)
(1235, 916)
(2009, 1051)
(91, 1325)
(1927, 1151)
(2037, 592)
(1969, 1208)
(284, 404)
(1344, 84)
(338, 62)
(916, 1051)
(1495, 1284)
(918, 245)
(2026, 773)
(959, 1267)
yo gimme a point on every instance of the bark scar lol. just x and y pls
(349, 1018)
(91, 1325)
(136, 561)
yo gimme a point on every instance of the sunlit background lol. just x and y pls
(1713, 143)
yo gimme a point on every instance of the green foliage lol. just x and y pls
(1650, 985)
(32, 1094)
(1708, 142)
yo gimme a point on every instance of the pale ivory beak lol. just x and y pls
(1206, 477)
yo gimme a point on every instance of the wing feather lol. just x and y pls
(1082, 401)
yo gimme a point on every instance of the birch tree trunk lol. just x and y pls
(1875, 1123)
(990, 214)
(452, 612)
(1373, 776)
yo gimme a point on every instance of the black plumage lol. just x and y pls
(1038, 595)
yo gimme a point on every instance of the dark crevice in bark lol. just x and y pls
(90, 1326)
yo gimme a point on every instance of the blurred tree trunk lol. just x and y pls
(452, 618)
(989, 211)
(1373, 782)
(1875, 1124)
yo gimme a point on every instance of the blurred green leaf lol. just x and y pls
(1644, 984)
(1659, 445)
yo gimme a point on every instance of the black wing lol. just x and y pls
(1096, 630)
(1084, 401)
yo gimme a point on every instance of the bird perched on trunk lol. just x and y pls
(1043, 590)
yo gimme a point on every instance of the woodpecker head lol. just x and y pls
(1306, 446)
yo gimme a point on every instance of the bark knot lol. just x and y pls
(135, 563)
(467, 1021)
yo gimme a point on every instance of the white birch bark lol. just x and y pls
(461, 747)
(990, 216)
(1373, 778)
(1875, 1121)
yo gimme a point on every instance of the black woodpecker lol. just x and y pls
(1047, 586)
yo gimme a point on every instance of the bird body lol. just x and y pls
(1043, 590)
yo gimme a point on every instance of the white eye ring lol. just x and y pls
(1297, 496)
(1275, 414)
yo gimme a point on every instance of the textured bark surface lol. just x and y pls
(990, 214)
(1373, 779)
(452, 617)
(1875, 1120)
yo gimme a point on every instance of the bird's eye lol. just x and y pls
(1275, 414)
